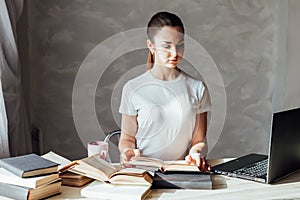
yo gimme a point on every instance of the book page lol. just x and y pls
(133, 172)
(180, 165)
(146, 161)
(136, 179)
(88, 171)
(56, 158)
(153, 164)
(130, 171)
(99, 164)
(185, 167)
(71, 175)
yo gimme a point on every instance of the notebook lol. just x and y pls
(284, 152)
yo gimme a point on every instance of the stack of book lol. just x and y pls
(68, 178)
(28, 177)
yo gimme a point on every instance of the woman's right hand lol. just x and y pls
(127, 154)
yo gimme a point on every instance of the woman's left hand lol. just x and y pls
(199, 161)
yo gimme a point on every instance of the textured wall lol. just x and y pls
(292, 81)
(238, 34)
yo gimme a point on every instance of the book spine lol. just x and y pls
(13, 191)
(12, 169)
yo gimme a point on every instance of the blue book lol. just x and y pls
(29, 165)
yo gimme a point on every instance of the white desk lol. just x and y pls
(224, 188)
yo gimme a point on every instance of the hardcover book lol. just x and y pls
(26, 193)
(72, 179)
(33, 182)
(181, 180)
(28, 165)
(99, 189)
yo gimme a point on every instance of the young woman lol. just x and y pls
(164, 110)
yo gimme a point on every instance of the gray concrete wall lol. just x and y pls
(246, 39)
(292, 81)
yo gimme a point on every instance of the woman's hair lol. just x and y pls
(158, 21)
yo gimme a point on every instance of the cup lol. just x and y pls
(98, 147)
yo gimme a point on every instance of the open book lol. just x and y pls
(68, 178)
(99, 169)
(154, 164)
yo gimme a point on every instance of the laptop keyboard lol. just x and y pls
(256, 170)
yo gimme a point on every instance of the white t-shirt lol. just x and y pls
(166, 113)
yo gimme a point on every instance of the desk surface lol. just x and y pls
(223, 188)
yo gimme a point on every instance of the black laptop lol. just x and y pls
(284, 152)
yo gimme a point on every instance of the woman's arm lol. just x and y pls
(127, 143)
(199, 135)
(198, 150)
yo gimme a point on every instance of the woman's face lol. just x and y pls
(168, 46)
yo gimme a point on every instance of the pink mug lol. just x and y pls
(98, 147)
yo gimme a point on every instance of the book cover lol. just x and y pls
(20, 193)
(181, 180)
(115, 192)
(33, 182)
(99, 169)
(28, 165)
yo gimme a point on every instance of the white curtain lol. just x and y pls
(4, 146)
(18, 128)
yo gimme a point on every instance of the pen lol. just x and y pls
(66, 167)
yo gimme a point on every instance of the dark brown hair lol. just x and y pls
(158, 21)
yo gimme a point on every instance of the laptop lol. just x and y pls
(284, 153)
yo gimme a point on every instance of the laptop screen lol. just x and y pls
(284, 152)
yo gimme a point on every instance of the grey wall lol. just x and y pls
(292, 81)
(246, 39)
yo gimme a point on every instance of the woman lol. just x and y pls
(164, 110)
